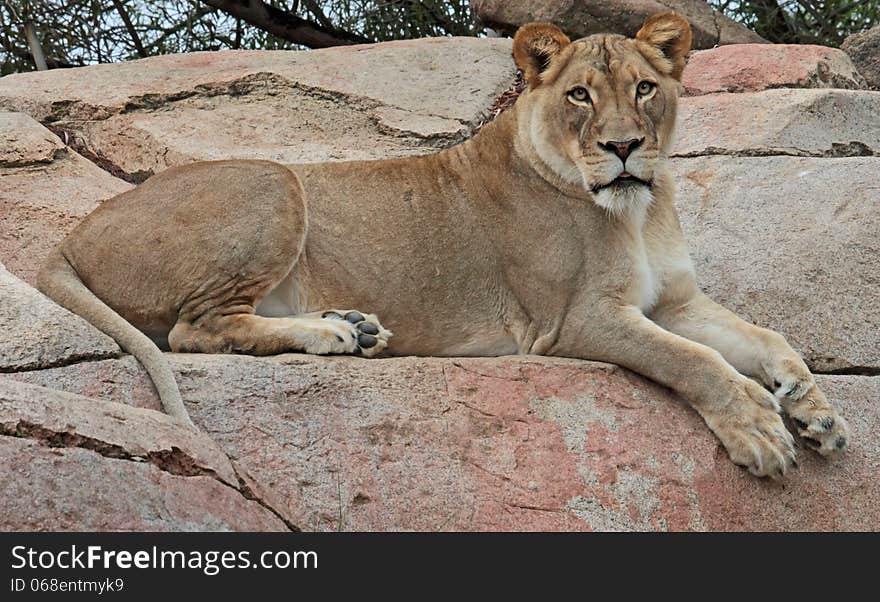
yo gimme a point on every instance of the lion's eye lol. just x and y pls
(579, 94)
(644, 88)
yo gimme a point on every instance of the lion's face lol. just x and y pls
(600, 111)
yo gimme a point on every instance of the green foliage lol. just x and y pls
(824, 22)
(401, 19)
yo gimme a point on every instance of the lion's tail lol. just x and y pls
(59, 280)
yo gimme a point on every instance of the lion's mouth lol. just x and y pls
(624, 179)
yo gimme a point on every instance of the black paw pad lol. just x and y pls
(331, 315)
(354, 317)
(368, 328)
(812, 443)
(365, 341)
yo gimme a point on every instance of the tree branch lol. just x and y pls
(318, 13)
(286, 25)
(451, 27)
(166, 33)
(139, 47)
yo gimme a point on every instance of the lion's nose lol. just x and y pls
(621, 149)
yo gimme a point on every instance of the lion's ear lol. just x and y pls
(534, 45)
(670, 34)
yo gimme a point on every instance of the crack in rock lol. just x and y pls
(412, 130)
(248, 493)
(837, 150)
(174, 460)
(851, 371)
(69, 360)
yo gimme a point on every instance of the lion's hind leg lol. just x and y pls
(257, 335)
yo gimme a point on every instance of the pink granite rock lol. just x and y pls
(755, 67)
(79, 464)
(495, 444)
(47, 188)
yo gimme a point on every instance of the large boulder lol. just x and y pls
(790, 243)
(78, 464)
(811, 123)
(511, 443)
(47, 189)
(385, 100)
(864, 50)
(756, 67)
(579, 18)
(777, 195)
(25, 143)
(38, 333)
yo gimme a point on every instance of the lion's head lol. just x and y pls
(599, 112)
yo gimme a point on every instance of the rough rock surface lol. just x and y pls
(864, 50)
(67, 461)
(809, 268)
(756, 67)
(579, 18)
(782, 225)
(111, 429)
(820, 123)
(485, 444)
(24, 142)
(38, 333)
(384, 100)
(46, 190)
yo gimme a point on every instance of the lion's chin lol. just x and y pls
(627, 195)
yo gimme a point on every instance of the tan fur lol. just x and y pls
(521, 240)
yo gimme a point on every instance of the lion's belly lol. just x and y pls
(422, 324)
(484, 345)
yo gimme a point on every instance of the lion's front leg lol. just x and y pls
(743, 415)
(766, 356)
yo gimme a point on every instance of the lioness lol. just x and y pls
(553, 231)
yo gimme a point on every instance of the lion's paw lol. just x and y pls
(754, 434)
(368, 335)
(791, 379)
(819, 425)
